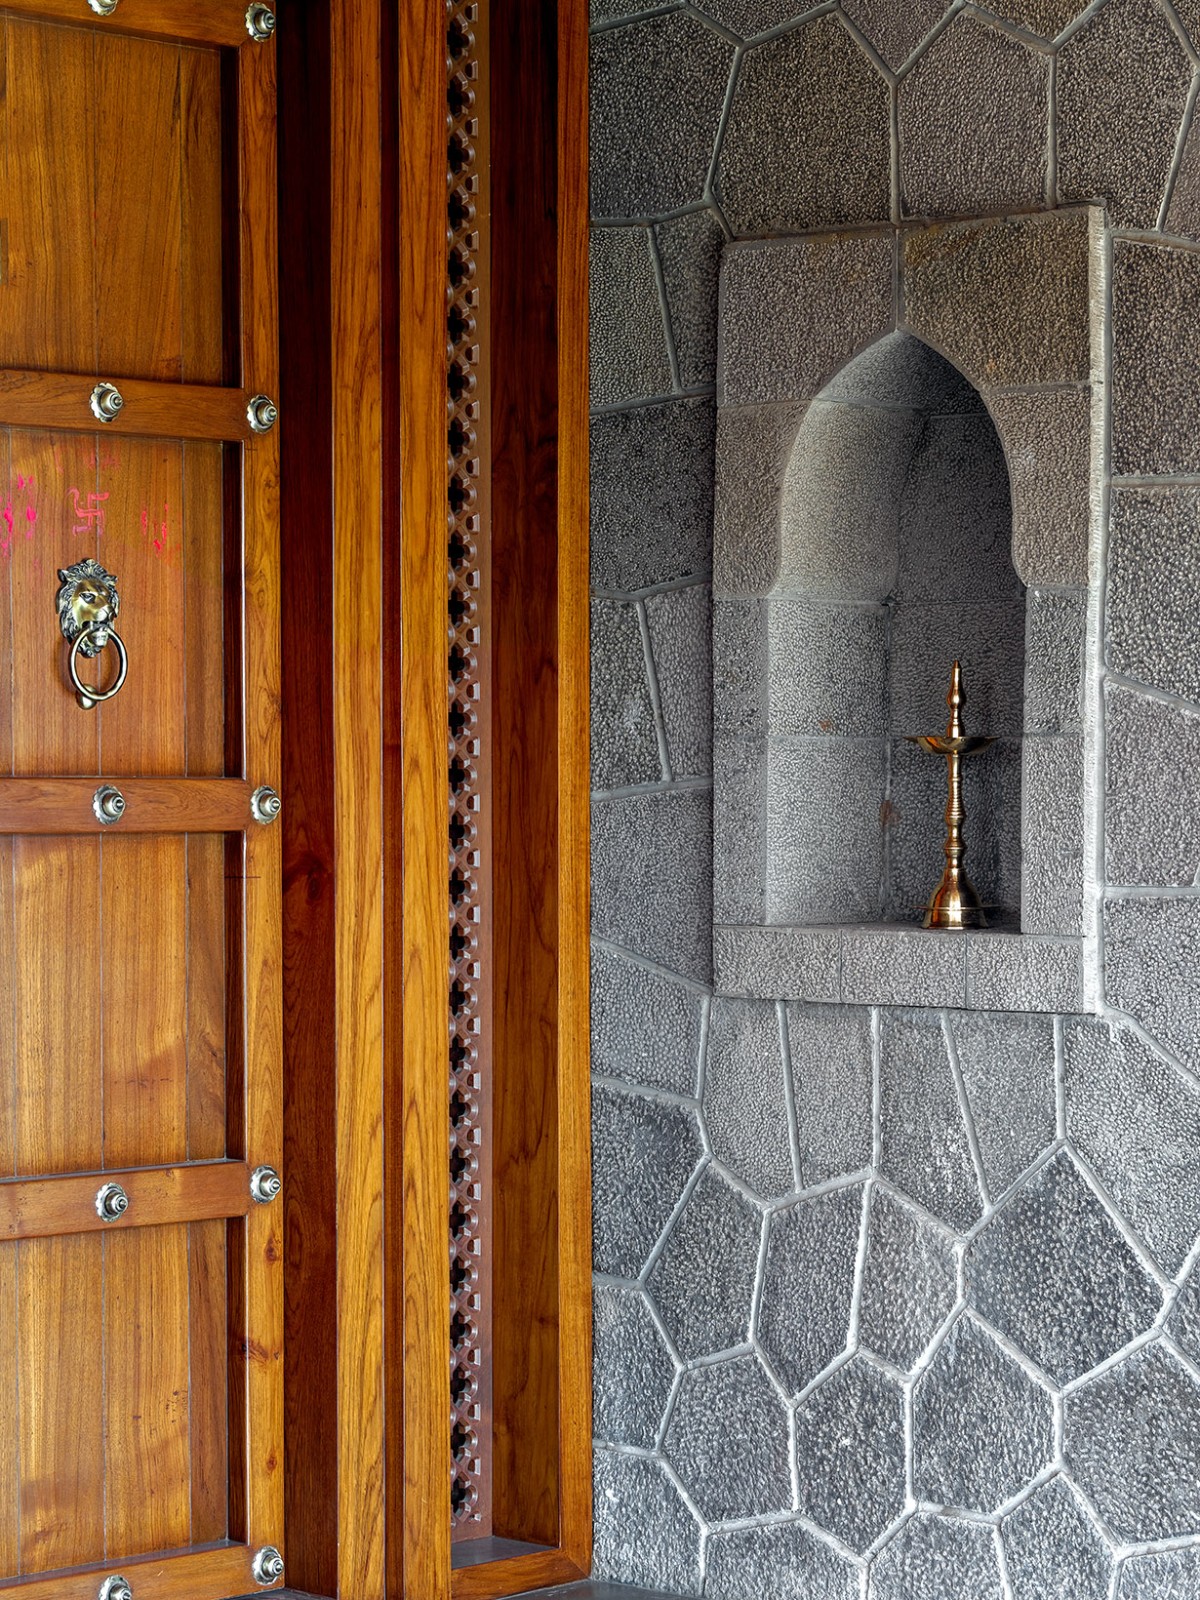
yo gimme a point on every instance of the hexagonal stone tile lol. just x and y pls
(689, 248)
(1151, 968)
(749, 17)
(1184, 1322)
(1053, 1550)
(850, 1453)
(624, 741)
(784, 1561)
(627, 338)
(808, 1284)
(909, 1282)
(644, 1152)
(632, 1372)
(1054, 1275)
(982, 1428)
(895, 30)
(728, 1441)
(1133, 1446)
(645, 1024)
(745, 1095)
(703, 1280)
(925, 1147)
(1173, 1575)
(645, 1534)
(1007, 1065)
(1047, 18)
(937, 1558)
(830, 1049)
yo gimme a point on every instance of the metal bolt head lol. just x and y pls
(111, 1203)
(260, 22)
(265, 805)
(105, 8)
(108, 804)
(262, 414)
(115, 1588)
(265, 1184)
(267, 1566)
(106, 399)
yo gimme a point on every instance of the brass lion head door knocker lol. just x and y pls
(88, 603)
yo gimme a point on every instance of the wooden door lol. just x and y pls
(141, 1354)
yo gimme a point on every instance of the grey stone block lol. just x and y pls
(627, 337)
(982, 1428)
(728, 1441)
(1046, 18)
(1048, 444)
(973, 120)
(680, 622)
(645, 1025)
(937, 1558)
(850, 1452)
(624, 742)
(1133, 1446)
(1152, 968)
(1053, 1550)
(754, 446)
(1053, 801)
(903, 968)
(1055, 636)
(632, 1369)
(828, 668)
(739, 828)
(1024, 972)
(652, 877)
(689, 248)
(1007, 1066)
(894, 30)
(794, 311)
(703, 1280)
(652, 494)
(1051, 1272)
(925, 1147)
(745, 1096)
(1183, 213)
(750, 17)
(831, 1082)
(777, 963)
(1184, 1322)
(644, 1152)
(903, 371)
(739, 665)
(784, 1561)
(1156, 344)
(1173, 1575)
(909, 1282)
(1009, 302)
(657, 91)
(824, 844)
(644, 1533)
(1153, 579)
(1136, 1119)
(808, 1284)
(1122, 88)
(812, 89)
(988, 638)
(1152, 795)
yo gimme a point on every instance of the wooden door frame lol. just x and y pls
(363, 395)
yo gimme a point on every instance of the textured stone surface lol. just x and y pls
(740, 664)
(728, 1441)
(777, 344)
(750, 17)
(831, 1083)
(973, 118)
(894, 30)
(745, 1095)
(850, 1454)
(1156, 345)
(1055, 631)
(643, 1531)
(1136, 1119)
(784, 1561)
(812, 89)
(956, 516)
(1048, 443)
(1047, 18)
(1007, 301)
(1053, 799)
(1153, 579)
(903, 968)
(828, 668)
(1152, 968)
(909, 1282)
(902, 371)
(1051, 1272)
(633, 1370)
(1183, 213)
(1152, 800)
(645, 1025)
(989, 640)
(657, 89)
(1053, 1550)
(624, 743)
(1174, 1575)
(739, 829)
(652, 494)
(680, 623)
(795, 963)
(689, 248)
(925, 1148)
(1184, 1322)
(937, 1558)
(1007, 1066)
(982, 1428)
(754, 446)
(652, 877)
(644, 1152)
(804, 1318)
(1133, 1444)
(824, 844)
(1022, 972)
(1122, 87)
(628, 341)
(703, 1280)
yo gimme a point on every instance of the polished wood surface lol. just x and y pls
(32, 1208)
(155, 410)
(152, 805)
(216, 22)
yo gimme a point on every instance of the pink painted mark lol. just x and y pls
(89, 517)
(160, 538)
(8, 517)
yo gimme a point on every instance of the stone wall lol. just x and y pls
(891, 1300)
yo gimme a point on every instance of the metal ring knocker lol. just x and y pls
(87, 604)
(86, 696)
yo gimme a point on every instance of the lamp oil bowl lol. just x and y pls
(954, 903)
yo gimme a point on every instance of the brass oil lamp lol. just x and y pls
(954, 903)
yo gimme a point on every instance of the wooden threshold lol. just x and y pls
(152, 805)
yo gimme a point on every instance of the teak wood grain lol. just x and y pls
(152, 805)
(32, 1208)
(216, 22)
(160, 410)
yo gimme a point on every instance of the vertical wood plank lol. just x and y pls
(15, 502)
(208, 1381)
(200, 214)
(10, 1497)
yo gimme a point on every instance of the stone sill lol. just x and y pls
(888, 964)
